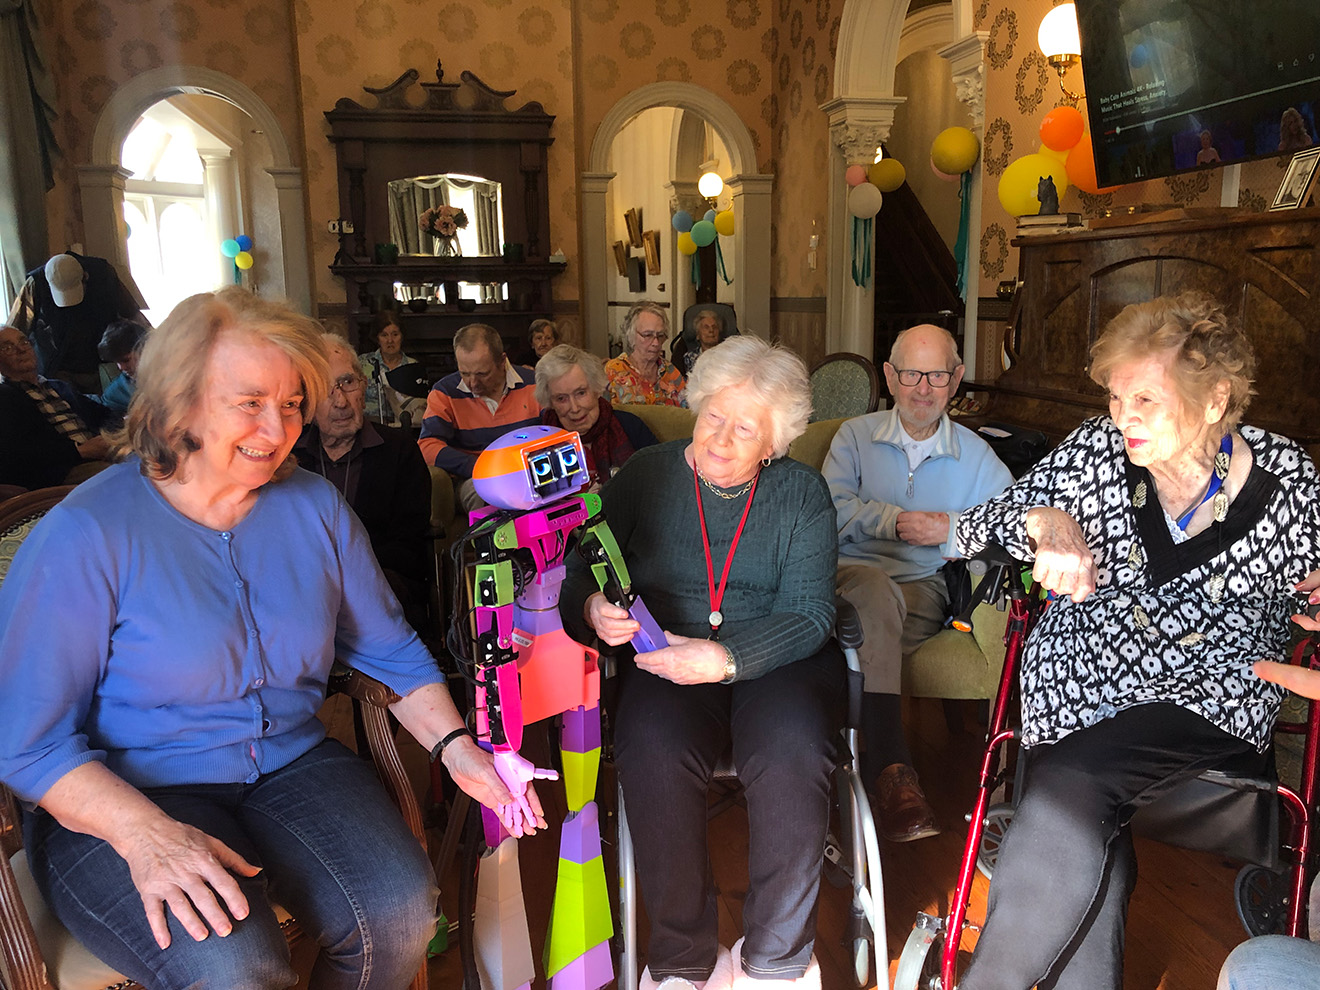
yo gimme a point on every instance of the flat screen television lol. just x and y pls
(1173, 85)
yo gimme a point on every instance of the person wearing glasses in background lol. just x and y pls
(899, 479)
(378, 470)
(641, 375)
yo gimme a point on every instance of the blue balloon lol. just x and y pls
(1139, 57)
(229, 247)
(703, 233)
(710, 215)
(682, 221)
(244, 242)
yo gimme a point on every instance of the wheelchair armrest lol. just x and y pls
(847, 625)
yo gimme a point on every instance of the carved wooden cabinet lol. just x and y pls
(1265, 267)
(461, 129)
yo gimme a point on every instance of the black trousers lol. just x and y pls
(783, 728)
(1058, 901)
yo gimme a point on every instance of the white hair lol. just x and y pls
(335, 344)
(559, 361)
(629, 328)
(954, 357)
(775, 376)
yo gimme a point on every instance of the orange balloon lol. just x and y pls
(1081, 168)
(1062, 128)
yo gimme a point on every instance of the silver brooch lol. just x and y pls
(1214, 588)
(1220, 504)
(1134, 558)
(1139, 495)
(1192, 639)
(1140, 617)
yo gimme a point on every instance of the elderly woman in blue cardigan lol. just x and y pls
(168, 633)
(731, 545)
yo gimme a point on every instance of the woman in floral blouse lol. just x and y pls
(641, 375)
(1175, 540)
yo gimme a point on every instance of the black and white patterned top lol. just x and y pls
(1172, 622)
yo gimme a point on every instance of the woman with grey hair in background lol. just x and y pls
(641, 375)
(732, 546)
(569, 387)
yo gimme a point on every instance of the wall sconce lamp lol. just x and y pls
(711, 185)
(1060, 43)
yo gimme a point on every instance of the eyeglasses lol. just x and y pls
(911, 377)
(16, 346)
(347, 384)
(652, 336)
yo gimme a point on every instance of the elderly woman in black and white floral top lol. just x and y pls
(1179, 543)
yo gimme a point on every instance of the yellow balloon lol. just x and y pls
(724, 222)
(887, 174)
(243, 259)
(954, 150)
(1061, 156)
(686, 245)
(1021, 180)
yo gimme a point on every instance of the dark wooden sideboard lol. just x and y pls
(1265, 267)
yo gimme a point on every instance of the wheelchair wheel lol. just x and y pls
(997, 820)
(1262, 898)
(919, 965)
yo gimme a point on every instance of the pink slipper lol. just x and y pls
(810, 980)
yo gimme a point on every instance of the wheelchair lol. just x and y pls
(852, 851)
(1235, 815)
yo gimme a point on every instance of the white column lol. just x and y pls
(966, 58)
(682, 294)
(858, 125)
(219, 187)
(751, 245)
(101, 188)
(595, 260)
(294, 252)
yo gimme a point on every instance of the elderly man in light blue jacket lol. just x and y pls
(899, 479)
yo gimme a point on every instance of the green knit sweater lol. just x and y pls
(779, 603)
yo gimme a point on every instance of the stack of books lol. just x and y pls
(1050, 222)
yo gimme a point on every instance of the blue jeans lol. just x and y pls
(783, 728)
(334, 852)
(1271, 962)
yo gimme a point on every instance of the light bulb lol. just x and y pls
(710, 185)
(1058, 32)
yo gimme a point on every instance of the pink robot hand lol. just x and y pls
(518, 816)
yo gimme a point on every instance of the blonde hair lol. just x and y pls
(171, 377)
(1208, 347)
(776, 377)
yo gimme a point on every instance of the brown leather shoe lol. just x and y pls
(902, 812)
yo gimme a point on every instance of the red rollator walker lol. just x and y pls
(1271, 891)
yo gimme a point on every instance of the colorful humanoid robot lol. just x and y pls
(526, 668)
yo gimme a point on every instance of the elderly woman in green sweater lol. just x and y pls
(732, 546)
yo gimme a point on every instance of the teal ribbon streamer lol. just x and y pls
(964, 230)
(696, 269)
(861, 261)
(719, 263)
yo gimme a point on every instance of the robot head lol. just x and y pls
(531, 466)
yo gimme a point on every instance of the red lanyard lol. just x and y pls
(717, 595)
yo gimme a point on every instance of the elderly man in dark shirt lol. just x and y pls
(48, 431)
(379, 471)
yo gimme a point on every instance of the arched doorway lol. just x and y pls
(102, 180)
(751, 205)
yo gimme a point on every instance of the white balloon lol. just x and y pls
(864, 201)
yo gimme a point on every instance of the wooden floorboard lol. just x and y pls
(1181, 925)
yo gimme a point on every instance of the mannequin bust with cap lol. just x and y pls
(64, 307)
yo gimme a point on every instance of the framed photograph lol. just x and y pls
(1298, 180)
(633, 218)
(621, 258)
(651, 242)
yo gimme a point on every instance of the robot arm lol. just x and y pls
(601, 550)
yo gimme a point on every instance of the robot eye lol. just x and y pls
(543, 470)
(568, 460)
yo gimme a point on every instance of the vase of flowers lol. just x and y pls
(443, 223)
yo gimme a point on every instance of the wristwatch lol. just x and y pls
(730, 667)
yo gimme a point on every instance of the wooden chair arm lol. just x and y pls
(20, 955)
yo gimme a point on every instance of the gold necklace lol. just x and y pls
(723, 494)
